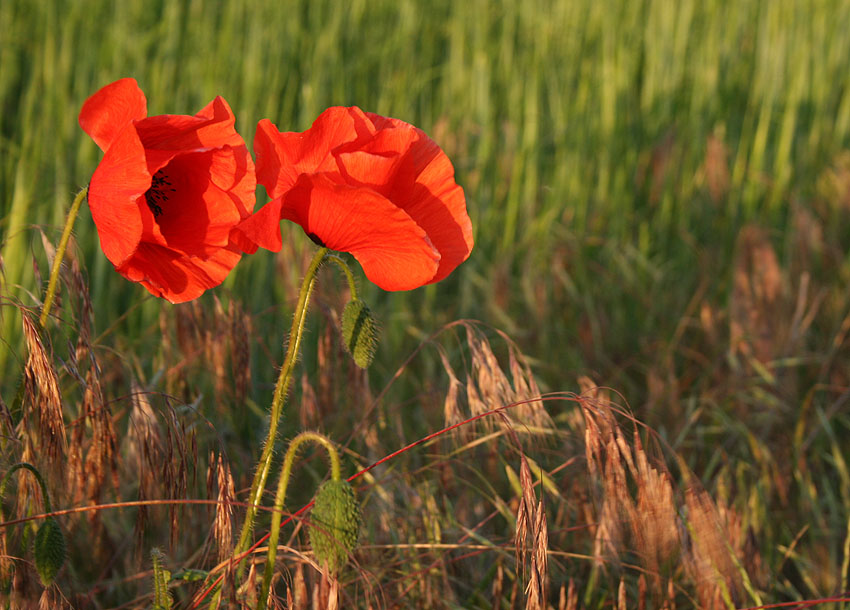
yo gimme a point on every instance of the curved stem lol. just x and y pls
(38, 477)
(339, 262)
(283, 380)
(283, 483)
(59, 255)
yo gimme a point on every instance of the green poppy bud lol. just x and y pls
(49, 550)
(359, 333)
(335, 524)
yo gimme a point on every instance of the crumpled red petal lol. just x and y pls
(174, 276)
(393, 250)
(166, 134)
(119, 181)
(376, 159)
(112, 108)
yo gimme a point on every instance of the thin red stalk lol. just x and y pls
(83, 509)
(808, 603)
(202, 596)
(802, 604)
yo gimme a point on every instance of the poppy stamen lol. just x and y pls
(158, 192)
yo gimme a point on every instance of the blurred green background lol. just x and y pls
(660, 194)
(610, 151)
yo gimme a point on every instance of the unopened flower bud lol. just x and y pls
(335, 524)
(359, 332)
(49, 550)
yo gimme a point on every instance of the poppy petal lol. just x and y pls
(201, 198)
(352, 160)
(423, 185)
(283, 156)
(174, 276)
(393, 250)
(438, 205)
(111, 109)
(261, 229)
(119, 181)
(168, 134)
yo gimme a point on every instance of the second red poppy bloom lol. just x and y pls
(358, 182)
(168, 191)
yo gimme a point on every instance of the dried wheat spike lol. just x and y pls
(42, 388)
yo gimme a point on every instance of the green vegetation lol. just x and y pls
(660, 193)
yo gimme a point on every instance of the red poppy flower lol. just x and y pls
(357, 182)
(168, 192)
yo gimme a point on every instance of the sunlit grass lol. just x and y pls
(611, 153)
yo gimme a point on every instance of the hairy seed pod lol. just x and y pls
(335, 524)
(359, 332)
(49, 550)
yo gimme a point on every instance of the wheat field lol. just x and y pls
(634, 394)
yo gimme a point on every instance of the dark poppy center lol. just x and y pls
(158, 193)
(316, 239)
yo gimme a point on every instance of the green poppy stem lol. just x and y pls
(25, 466)
(60, 255)
(283, 381)
(349, 276)
(282, 485)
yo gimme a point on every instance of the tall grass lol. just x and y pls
(568, 121)
(661, 199)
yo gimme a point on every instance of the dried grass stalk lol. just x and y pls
(101, 459)
(42, 388)
(223, 522)
(531, 526)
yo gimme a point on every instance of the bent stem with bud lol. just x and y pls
(280, 496)
(49, 544)
(359, 338)
(282, 387)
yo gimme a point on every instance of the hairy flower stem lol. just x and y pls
(283, 380)
(343, 266)
(25, 466)
(283, 483)
(59, 255)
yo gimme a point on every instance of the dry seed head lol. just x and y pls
(336, 524)
(102, 456)
(531, 525)
(359, 333)
(42, 384)
(223, 524)
(493, 384)
(710, 562)
(50, 551)
(525, 388)
(451, 409)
